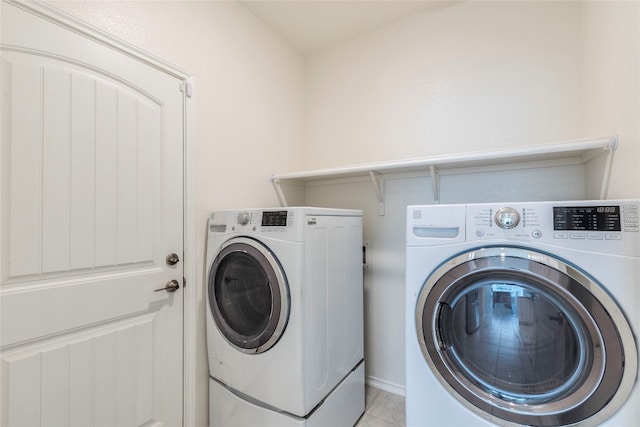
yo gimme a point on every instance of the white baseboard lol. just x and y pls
(385, 385)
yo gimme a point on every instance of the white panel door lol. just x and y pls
(91, 172)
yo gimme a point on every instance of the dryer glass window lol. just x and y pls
(243, 294)
(248, 296)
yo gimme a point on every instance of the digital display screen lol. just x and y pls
(274, 219)
(588, 218)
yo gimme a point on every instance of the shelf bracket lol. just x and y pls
(609, 149)
(378, 186)
(281, 198)
(435, 183)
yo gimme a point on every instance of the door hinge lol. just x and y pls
(187, 89)
(184, 282)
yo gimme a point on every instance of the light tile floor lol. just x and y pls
(382, 409)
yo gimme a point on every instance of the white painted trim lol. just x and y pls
(385, 385)
(65, 20)
(190, 318)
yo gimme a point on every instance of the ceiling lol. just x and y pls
(309, 25)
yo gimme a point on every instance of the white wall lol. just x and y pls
(475, 76)
(471, 77)
(611, 85)
(248, 104)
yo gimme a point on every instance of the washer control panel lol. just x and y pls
(263, 221)
(577, 223)
(251, 221)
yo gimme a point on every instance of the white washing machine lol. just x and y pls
(523, 314)
(285, 317)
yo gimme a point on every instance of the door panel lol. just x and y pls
(59, 380)
(92, 202)
(92, 166)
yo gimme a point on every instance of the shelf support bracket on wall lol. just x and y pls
(607, 166)
(378, 186)
(281, 198)
(435, 184)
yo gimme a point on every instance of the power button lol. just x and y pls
(536, 234)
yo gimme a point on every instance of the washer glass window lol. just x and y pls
(516, 341)
(248, 295)
(521, 336)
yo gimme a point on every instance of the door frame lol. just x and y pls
(62, 19)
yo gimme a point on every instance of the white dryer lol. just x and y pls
(285, 317)
(523, 314)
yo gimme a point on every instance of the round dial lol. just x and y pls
(243, 218)
(507, 218)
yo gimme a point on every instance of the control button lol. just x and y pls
(480, 233)
(595, 236)
(633, 229)
(560, 236)
(536, 234)
(613, 237)
(578, 236)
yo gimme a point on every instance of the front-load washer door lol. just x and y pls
(248, 295)
(523, 338)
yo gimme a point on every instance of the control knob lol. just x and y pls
(244, 218)
(507, 218)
